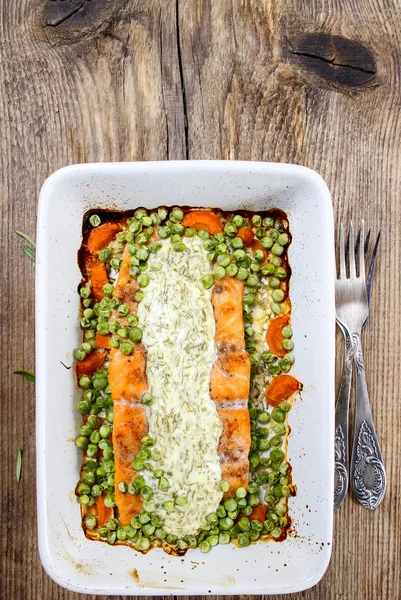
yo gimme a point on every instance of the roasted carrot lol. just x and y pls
(246, 235)
(274, 336)
(98, 278)
(91, 363)
(281, 388)
(103, 512)
(101, 236)
(203, 219)
(102, 341)
(258, 513)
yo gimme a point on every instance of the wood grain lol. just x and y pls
(168, 79)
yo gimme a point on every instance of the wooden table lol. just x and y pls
(296, 81)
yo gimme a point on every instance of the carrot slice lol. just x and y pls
(102, 341)
(203, 219)
(246, 235)
(101, 236)
(281, 388)
(258, 513)
(274, 336)
(98, 277)
(103, 512)
(91, 363)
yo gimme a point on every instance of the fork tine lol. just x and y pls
(358, 241)
(352, 270)
(362, 252)
(342, 253)
(367, 242)
(372, 266)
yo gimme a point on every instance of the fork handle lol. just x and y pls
(368, 477)
(341, 474)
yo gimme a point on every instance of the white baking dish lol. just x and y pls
(97, 568)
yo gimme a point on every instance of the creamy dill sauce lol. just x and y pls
(176, 316)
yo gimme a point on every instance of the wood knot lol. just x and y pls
(334, 58)
(69, 21)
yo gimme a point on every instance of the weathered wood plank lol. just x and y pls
(120, 81)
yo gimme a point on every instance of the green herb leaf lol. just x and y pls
(26, 374)
(19, 464)
(30, 253)
(26, 237)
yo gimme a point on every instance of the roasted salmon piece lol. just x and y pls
(227, 302)
(126, 287)
(127, 374)
(235, 439)
(236, 474)
(230, 377)
(129, 427)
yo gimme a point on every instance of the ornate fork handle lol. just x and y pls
(341, 424)
(368, 477)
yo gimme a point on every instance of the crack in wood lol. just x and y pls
(55, 21)
(333, 62)
(180, 66)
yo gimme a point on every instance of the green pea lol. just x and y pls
(180, 500)
(203, 234)
(105, 431)
(278, 415)
(213, 540)
(255, 267)
(110, 415)
(278, 295)
(242, 274)
(244, 524)
(277, 250)
(280, 273)
(176, 215)
(273, 233)
(82, 442)
(85, 430)
(230, 229)
(92, 450)
(283, 239)
(230, 504)
(164, 232)
(285, 491)
(238, 221)
(257, 220)
(287, 344)
(143, 543)
(179, 247)
(190, 232)
(252, 281)
(266, 242)
(254, 459)
(147, 399)
(224, 486)
(104, 254)
(168, 505)
(223, 260)
(275, 308)
(276, 455)
(84, 407)
(126, 348)
(207, 281)
(231, 269)
(259, 255)
(280, 428)
(135, 335)
(224, 537)
(79, 354)
(218, 273)
(94, 220)
(243, 540)
(147, 441)
(114, 341)
(85, 292)
(253, 500)
(143, 280)
(178, 229)
(95, 437)
(263, 417)
(237, 243)
(163, 484)
(204, 547)
(108, 289)
(260, 233)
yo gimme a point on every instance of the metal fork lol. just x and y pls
(368, 479)
(344, 393)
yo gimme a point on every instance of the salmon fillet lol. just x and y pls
(129, 427)
(236, 474)
(235, 440)
(230, 377)
(126, 287)
(227, 302)
(127, 374)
